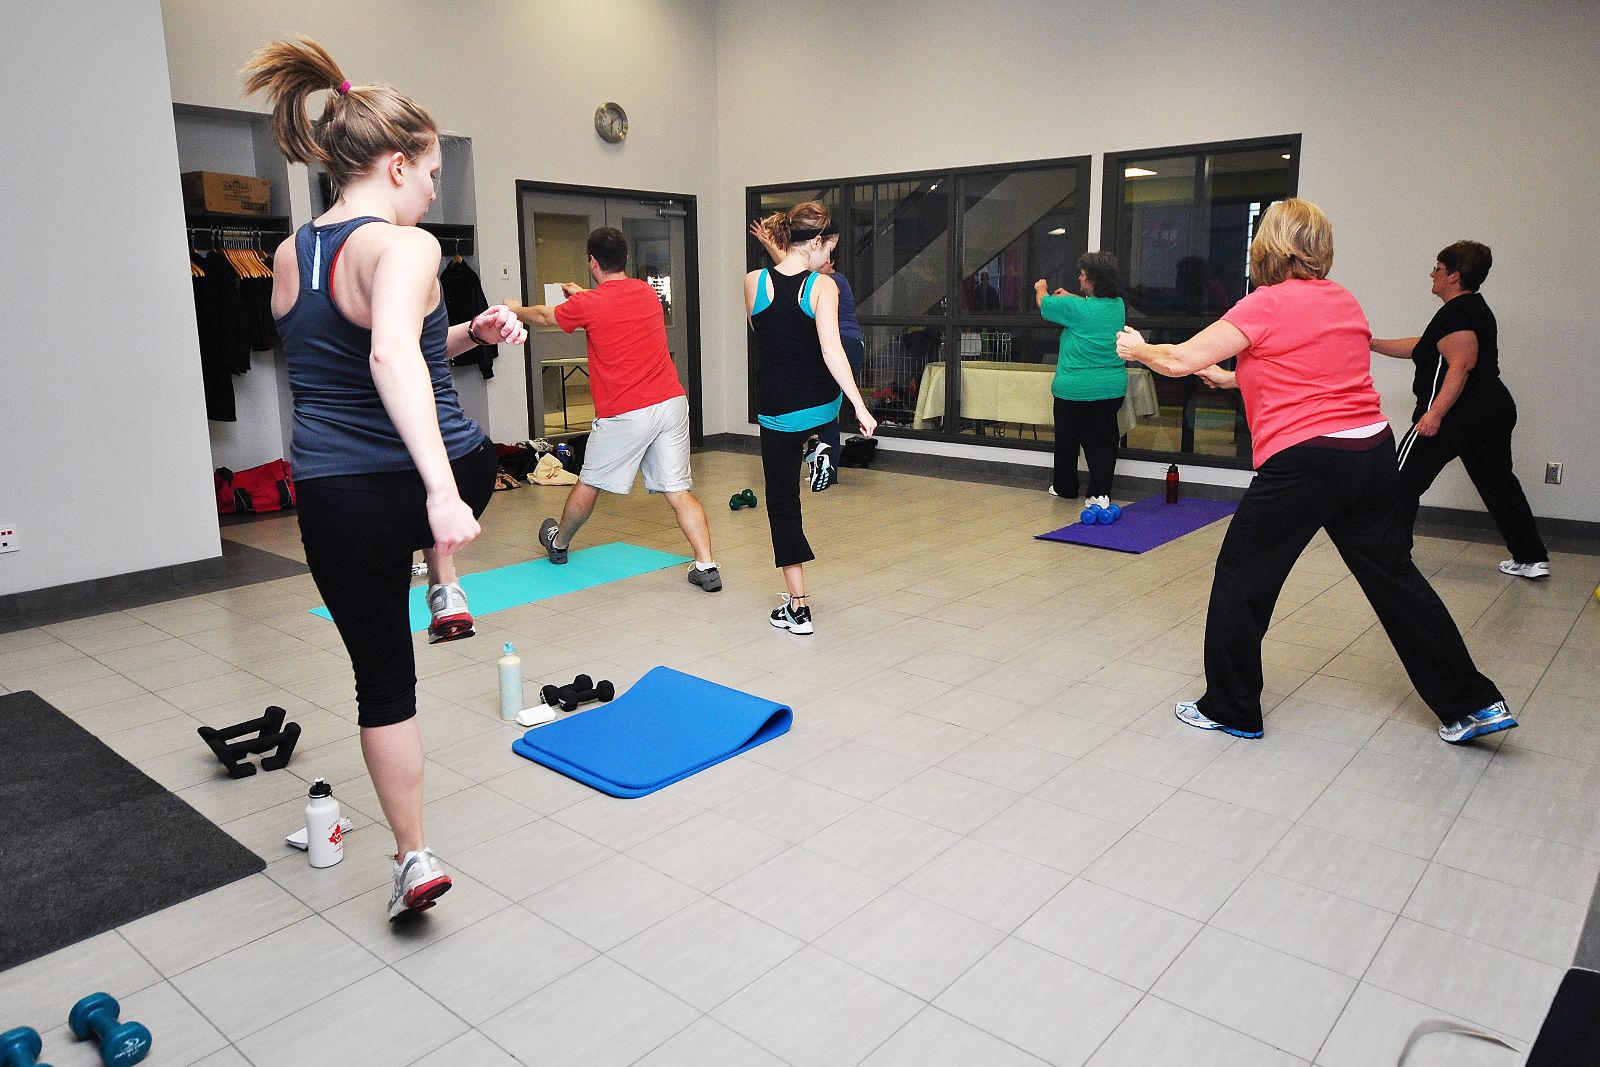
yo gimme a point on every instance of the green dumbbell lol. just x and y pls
(121, 1044)
(743, 499)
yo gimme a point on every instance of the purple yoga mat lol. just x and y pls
(1145, 525)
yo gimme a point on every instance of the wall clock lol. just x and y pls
(611, 123)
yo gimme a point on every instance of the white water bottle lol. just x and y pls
(324, 833)
(510, 684)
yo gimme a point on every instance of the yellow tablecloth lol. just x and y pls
(1017, 392)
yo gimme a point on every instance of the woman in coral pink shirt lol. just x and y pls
(1324, 460)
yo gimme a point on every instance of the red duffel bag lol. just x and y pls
(269, 487)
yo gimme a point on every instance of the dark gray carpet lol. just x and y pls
(87, 840)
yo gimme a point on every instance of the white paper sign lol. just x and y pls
(554, 295)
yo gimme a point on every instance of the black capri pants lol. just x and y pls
(360, 533)
(781, 452)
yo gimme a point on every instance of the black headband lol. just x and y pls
(807, 233)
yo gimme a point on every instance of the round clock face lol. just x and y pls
(611, 122)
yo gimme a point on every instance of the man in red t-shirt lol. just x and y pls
(641, 415)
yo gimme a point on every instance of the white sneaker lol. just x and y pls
(1101, 502)
(1525, 570)
(451, 618)
(418, 882)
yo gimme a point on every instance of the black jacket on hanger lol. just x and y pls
(464, 301)
(224, 339)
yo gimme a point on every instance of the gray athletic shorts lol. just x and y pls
(654, 440)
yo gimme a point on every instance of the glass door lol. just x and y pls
(556, 227)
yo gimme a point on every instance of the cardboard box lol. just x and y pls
(230, 194)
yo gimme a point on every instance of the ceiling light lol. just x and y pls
(1286, 155)
(1058, 231)
(1137, 172)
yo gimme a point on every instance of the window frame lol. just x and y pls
(954, 319)
(1112, 183)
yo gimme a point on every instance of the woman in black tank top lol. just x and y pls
(803, 377)
(356, 338)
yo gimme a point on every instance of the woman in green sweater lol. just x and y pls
(1091, 378)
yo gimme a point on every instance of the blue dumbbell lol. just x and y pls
(1111, 514)
(121, 1044)
(1090, 515)
(19, 1046)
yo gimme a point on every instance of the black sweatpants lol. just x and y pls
(1091, 424)
(780, 461)
(1355, 496)
(1482, 439)
(361, 532)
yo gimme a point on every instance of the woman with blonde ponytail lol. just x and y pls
(804, 377)
(385, 460)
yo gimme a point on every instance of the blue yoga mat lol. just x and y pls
(668, 726)
(539, 579)
(1145, 525)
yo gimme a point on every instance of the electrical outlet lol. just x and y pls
(8, 537)
(1552, 475)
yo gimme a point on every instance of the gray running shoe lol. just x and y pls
(549, 530)
(709, 580)
(1490, 720)
(1525, 570)
(418, 882)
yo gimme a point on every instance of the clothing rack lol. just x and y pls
(237, 231)
(455, 239)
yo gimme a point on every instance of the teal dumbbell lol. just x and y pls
(121, 1044)
(19, 1046)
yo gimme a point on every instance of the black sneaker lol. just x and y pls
(548, 531)
(710, 579)
(819, 458)
(797, 620)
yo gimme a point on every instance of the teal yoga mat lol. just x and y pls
(668, 726)
(539, 579)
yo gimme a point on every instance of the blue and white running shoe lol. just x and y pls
(1190, 714)
(1490, 720)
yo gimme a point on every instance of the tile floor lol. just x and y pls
(985, 841)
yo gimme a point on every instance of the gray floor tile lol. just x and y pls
(1368, 873)
(816, 1010)
(1045, 1005)
(880, 843)
(1451, 973)
(949, 800)
(982, 882)
(1006, 763)
(1286, 1002)
(179, 1033)
(610, 902)
(1252, 784)
(1326, 929)
(910, 942)
(231, 916)
(801, 893)
(379, 1021)
(621, 823)
(938, 1039)
(366, 918)
(1115, 934)
(789, 808)
(707, 1042)
(1169, 875)
(275, 976)
(471, 1049)
(859, 770)
(530, 859)
(1415, 829)
(1104, 793)
(1223, 829)
(1156, 1032)
(1046, 833)
(1376, 1023)
(708, 851)
(494, 963)
(599, 1015)
(1518, 920)
(1168, 762)
(706, 952)
(1528, 862)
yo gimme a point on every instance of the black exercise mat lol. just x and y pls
(87, 840)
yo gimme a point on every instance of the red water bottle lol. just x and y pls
(1172, 483)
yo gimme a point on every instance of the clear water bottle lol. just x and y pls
(324, 831)
(510, 683)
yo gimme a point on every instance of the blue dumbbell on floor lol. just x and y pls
(121, 1044)
(19, 1046)
(1105, 516)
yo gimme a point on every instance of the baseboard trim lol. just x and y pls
(1576, 535)
(55, 600)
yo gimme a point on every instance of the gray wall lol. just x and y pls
(102, 421)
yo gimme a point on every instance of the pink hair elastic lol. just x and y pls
(344, 87)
